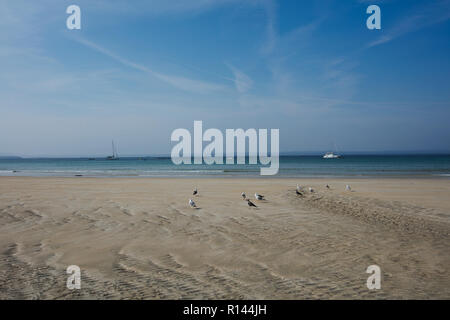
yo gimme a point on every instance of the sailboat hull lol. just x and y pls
(331, 156)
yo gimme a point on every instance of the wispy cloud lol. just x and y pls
(178, 82)
(156, 7)
(242, 81)
(422, 17)
(271, 13)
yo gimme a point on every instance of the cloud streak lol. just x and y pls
(178, 82)
(156, 7)
(242, 81)
(422, 18)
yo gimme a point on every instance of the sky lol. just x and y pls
(137, 70)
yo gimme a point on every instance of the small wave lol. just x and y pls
(241, 170)
(184, 171)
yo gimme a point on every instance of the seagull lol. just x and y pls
(311, 189)
(195, 192)
(328, 187)
(259, 197)
(298, 187)
(251, 204)
(192, 204)
(347, 187)
(243, 195)
(298, 193)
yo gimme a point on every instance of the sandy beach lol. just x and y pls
(139, 239)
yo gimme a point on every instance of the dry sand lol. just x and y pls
(138, 238)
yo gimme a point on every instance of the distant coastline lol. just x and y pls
(282, 154)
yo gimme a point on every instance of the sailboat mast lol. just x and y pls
(113, 150)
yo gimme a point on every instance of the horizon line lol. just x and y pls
(286, 153)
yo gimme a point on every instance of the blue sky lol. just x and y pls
(137, 70)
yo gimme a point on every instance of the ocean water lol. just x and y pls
(290, 166)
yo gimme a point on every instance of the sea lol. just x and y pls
(426, 166)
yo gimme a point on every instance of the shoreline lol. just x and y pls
(238, 177)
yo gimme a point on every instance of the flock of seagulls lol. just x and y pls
(243, 195)
(299, 190)
(259, 197)
(191, 202)
(249, 202)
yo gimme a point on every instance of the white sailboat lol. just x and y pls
(114, 155)
(331, 155)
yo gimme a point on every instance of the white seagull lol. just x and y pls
(243, 195)
(311, 189)
(259, 197)
(192, 204)
(347, 187)
(299, 188)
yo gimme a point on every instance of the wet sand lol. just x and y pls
(139, 239)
